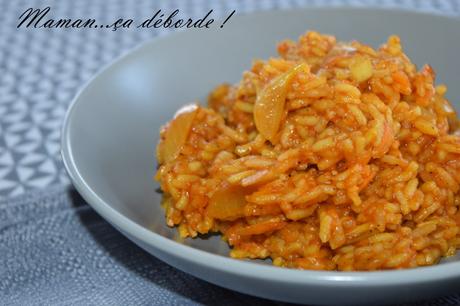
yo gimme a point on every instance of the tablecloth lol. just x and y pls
(53, 248)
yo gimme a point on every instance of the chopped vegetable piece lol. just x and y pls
(361, 69)
(176, 134)
(228, 203)
(269, 106)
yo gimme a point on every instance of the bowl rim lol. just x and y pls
(229, 265)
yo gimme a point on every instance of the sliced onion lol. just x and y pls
(269, 106)
(176, 134)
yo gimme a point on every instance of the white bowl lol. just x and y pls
(111, 130)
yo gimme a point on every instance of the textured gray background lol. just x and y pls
(42, 69)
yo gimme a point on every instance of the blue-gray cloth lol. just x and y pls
(56, 250)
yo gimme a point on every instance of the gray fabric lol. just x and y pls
(41, 70)
(55, 250)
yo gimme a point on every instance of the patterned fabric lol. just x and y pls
(56, 250)
(42, 69)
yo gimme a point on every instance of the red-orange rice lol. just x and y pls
(331, 156)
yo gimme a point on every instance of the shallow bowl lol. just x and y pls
(111, 130)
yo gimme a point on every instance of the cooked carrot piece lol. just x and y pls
(260, 228)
